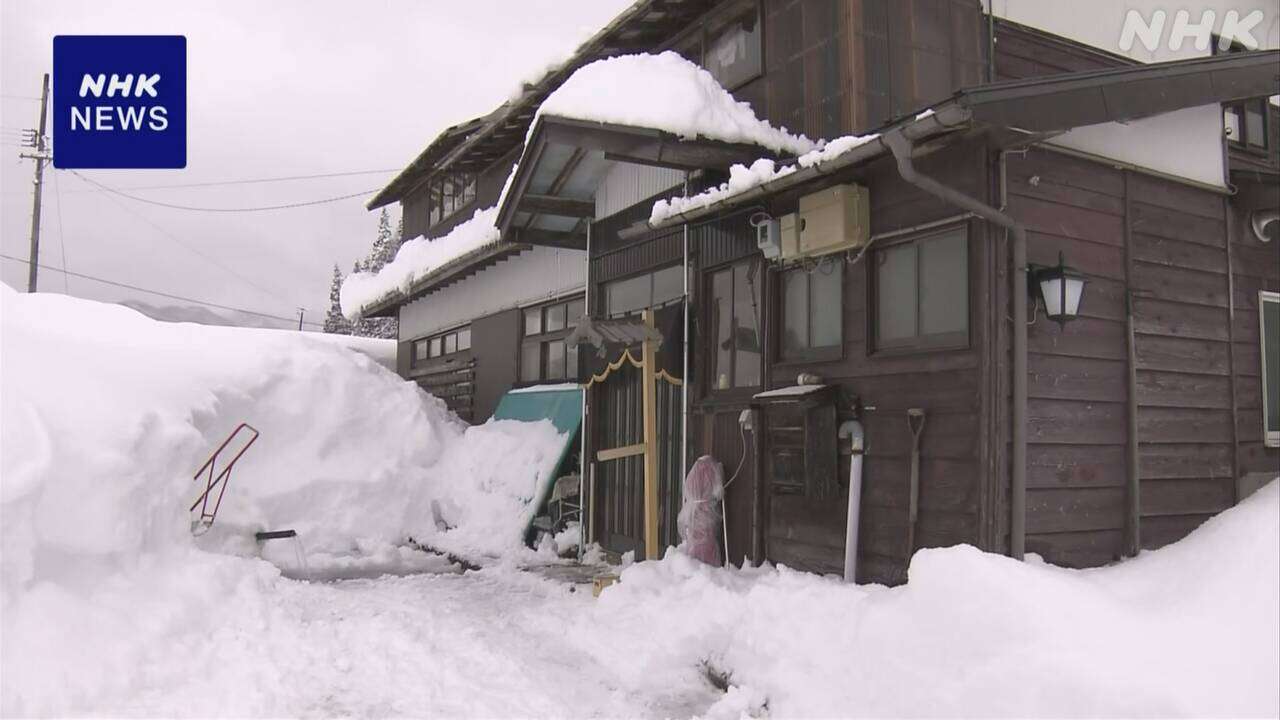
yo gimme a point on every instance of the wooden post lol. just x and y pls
(649, 386)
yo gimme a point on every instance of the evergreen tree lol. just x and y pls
(334, 320)
(384, 245)
(383, 251)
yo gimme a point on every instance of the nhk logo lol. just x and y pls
(119, 101)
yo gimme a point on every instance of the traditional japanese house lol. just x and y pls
(920, 276)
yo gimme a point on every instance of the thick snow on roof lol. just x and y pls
(415, 259)
(764, 170)
(665, 92)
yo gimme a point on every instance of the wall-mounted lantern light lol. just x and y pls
(1060, 288)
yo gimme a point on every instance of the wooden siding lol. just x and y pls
(1162, 246)
(1023, 52)
(1254, 266)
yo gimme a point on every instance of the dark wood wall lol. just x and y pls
(1023, 52)
(1160, 248)
(488, 188)
(835, 67)
(1255, 266)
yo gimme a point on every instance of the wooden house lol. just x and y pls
(989, 153)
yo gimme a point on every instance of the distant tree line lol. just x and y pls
(383, 251)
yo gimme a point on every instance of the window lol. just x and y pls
(448, 343)
(733, 304)
(921, 291)
(1269, 326)
(625, 297)
(543, 353)
(1245, 122)
(812, 311)
(449, 193)
(729, 45)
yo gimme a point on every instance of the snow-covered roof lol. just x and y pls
(665, 92)
(743, 178)
(415, 260)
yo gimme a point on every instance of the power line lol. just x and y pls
(189, 248)
(244, 181)
(263, 208)
(170, 296)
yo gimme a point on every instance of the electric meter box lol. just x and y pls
(834, 219)
(789, 231)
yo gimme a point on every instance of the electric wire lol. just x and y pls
(192, 208)
(207, 258)
(240, 181)
(62, 245)
(170, 296)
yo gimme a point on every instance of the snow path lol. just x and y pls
(484, 644)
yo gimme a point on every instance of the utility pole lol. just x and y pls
(41, 156)
(301, 312)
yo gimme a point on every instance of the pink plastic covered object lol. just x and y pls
(699, 517)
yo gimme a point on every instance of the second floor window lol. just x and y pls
(728, 45)
(448, 194)
(1244, 122)
(543, 353)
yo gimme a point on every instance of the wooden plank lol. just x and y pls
(1054, 376)
(1158, 531)
(1182, 285)
(620, 452)
(1083, 338)
(1175, 354)
(1184, 460)
(649, 378)
(1178, 253)
(1177, 197)
(1054, 218)
(1152, 220)
(1075, 509)
(1162, 317)
(1094, 259)
(1074, 466)
(1091, 548)
(945, 484)
(1169, 389)
(1184, 425)
(1187, 496)
(1076, 422)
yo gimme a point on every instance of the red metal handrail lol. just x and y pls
(222, 478)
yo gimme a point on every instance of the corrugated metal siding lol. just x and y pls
(538, 274)
(627, 184)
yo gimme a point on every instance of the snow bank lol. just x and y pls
(743, 178)
(415, 259)
(1188, 630)
(669, 93)
(104, 417)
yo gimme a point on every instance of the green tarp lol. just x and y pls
(562, 405)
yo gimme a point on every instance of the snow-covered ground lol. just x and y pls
(109, 606)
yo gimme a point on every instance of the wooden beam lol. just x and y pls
(549, 238)
(620, 452)
(649, 387)
(561, 206)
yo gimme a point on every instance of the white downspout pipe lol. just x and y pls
(852, 429)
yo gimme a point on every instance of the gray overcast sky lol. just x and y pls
(285, 87)
(274, 89)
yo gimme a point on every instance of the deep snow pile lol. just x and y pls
(665, 92)
(764, 170)
(1188, 630)
(106, 414)
(415, 259)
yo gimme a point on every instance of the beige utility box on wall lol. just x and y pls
(830, 220)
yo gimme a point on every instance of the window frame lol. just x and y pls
(463, 199)
(544, 338)
(717, 17)
(439, 339)
(827, 353)
(1270, 437)
(710, 387)
(937, 342)
(602, 293)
